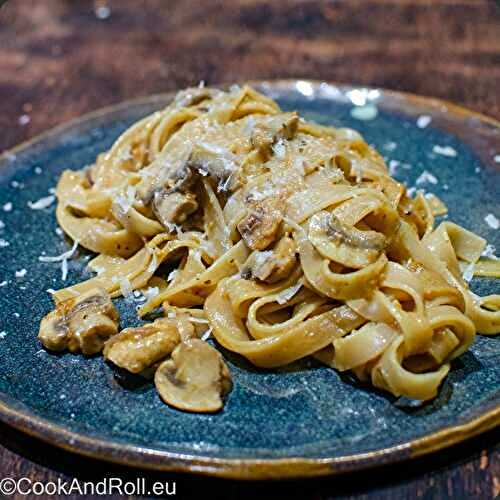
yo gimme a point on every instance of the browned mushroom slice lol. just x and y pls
(368, 240)
(273, 265)
(261, 225)
(80, 324)
(174, 207)
(174, 201)
(195, 378)
(269, 131)
(344, 244)
(136, 349)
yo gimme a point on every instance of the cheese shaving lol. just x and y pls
(288, 293)
(423, 121)
(426, 176)
(59, 258)
(492, 221)
(444, 151)
(21, 273)
(42, 203)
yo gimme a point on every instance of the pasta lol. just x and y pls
(281, 238)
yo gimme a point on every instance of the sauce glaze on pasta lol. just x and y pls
(289, 239)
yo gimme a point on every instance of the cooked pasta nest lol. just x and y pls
(280, 238)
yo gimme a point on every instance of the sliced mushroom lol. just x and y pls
(80, 324)
(259, 228)
(174, 201)
(216, 162)
(268, 132)
(344, 244)
(195, 378)
(173, 208)
(137, 349)
(367, 240)
(273, 265)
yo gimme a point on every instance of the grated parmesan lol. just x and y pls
(390, 146)
(58, 258)
(411, 191)
(172, 275)
(7, 207)
(284, 296)
(126, 288)
(444, 151)
(3, 283)
(468, 272)
(21, 273)
(266, 192)
(279, 149)
(63, 258)
(174, 227)
(489, 252)
(126, 202)
(393, 167)
(4, 243)
(38, 170)
(365, 113)
(153, 264)
(492, 221)
(423, 121)
(151, 292)
(357, 169)
(3, 334)
(426, 176)
(194, 319)
(223, 185)
(124, 154)
(42, 203)
(64, 269)
(207, 334)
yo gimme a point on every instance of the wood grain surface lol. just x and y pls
(62, 58)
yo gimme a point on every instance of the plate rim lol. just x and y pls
(241, 468)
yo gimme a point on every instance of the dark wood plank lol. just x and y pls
(469, 470)
(59, 60)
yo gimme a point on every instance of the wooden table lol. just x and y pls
(62, 58)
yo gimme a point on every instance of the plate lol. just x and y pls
(300, 421)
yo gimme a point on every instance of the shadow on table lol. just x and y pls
(433, 476)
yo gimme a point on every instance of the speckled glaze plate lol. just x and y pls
(300, 421)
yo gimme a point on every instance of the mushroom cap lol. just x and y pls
(80, 323)
(195, 378)
(53, 333)
(344, 244)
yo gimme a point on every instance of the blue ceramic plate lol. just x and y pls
(299, 421)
